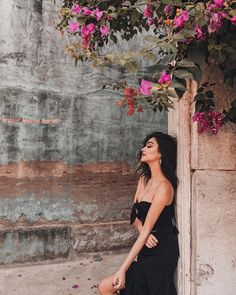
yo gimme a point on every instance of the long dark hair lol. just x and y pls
(167, 146)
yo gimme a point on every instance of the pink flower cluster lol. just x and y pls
(211, 121)
(214, 14)
(181, 19)
(89, 29)
(77, 9)
(149, 15)
(146, 86)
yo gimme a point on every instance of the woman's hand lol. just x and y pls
(152, 241)
(118, 279)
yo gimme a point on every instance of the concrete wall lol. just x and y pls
(213, 165)
(67, 152)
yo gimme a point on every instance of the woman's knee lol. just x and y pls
(104, 286)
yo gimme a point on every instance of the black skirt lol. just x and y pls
(153, 272)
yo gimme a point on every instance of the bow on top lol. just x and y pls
(135, 212)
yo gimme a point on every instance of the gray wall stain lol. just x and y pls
(31, 209)
(205, 272)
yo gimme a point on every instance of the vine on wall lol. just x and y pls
(179, 37)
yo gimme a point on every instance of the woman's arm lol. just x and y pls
(161, 198)
(152, 240)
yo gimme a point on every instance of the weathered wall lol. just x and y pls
(67, 152)
(213, 165)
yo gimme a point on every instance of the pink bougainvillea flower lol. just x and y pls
(130, 102)
(165, 78)
(91, 27)
(215, 22)
(215, 4)
(181, 19)
(219, 3)
(75, 286)
(168, 10)
(145, 87)
(98, 13)
(86, 11)
(85, 42)
(150, 21)
(199, 34)
(87, 30)
(130, 111)
(233, 20)
(76, 9)
(120, 103)
(104, 30)
(74, 26)
(130, 92)
(147, 11)
(211, 121)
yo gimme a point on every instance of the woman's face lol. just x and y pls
(150, 151)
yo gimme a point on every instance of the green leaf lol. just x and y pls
(233, 103)
(183, 74)
(152, 39)
(199, 97)
(113, 38)
(167, 59)
(155, 70)
(171, 92)
(209, 94)
(132, 66)
(168, 47)
(113, 15)
(199, 106)
(172, 2)
(135, 17)
(149, 55)
(81, 20)
(186, 63)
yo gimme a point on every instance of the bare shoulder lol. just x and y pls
(164, 192)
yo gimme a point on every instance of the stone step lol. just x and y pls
(42, 243)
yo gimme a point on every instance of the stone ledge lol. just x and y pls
(32, 244)
(41, 243)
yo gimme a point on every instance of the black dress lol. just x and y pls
(153, 272)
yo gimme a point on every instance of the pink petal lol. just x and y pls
(76, 9)
(104, 30)
(74, 26)
(75, 286)
(145, 87)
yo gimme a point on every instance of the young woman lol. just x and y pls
(152, 214)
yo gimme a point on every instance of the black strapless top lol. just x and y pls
(165, 222)
(164, 230)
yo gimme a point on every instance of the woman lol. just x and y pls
(152, 214)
